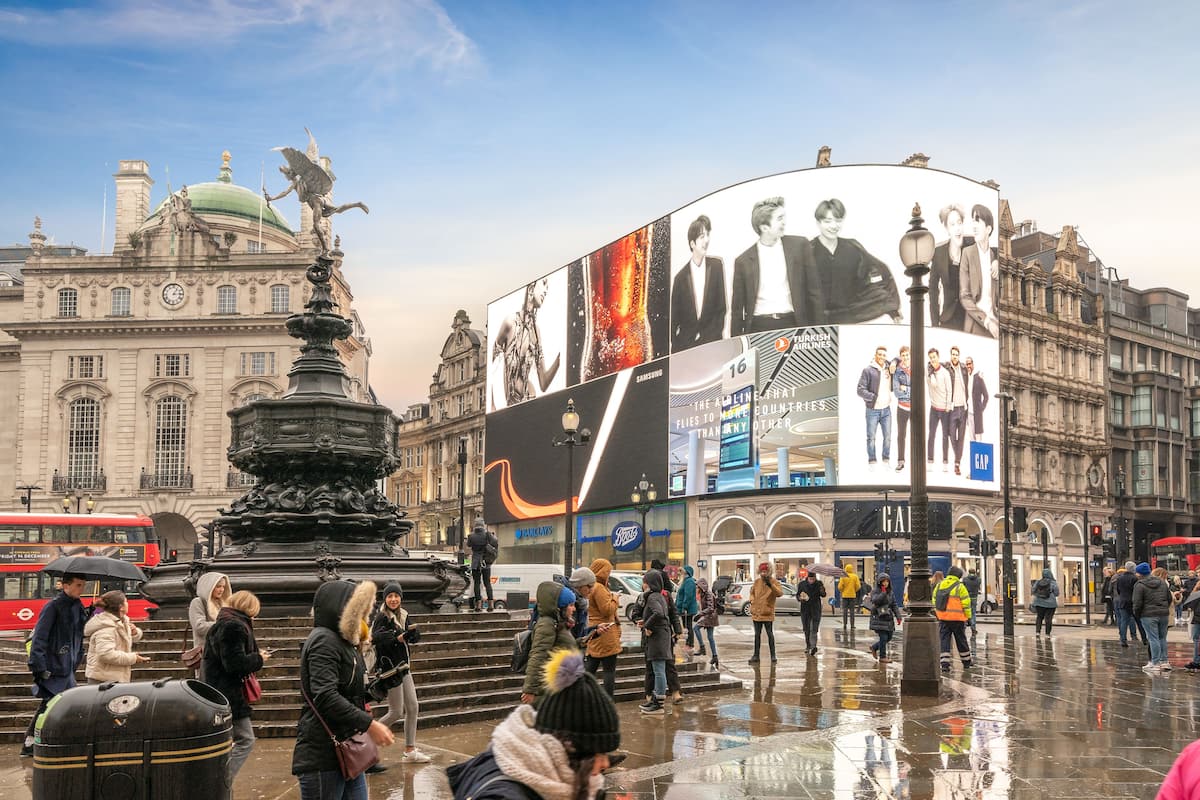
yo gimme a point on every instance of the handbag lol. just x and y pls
(356, 754)
(251, 688)
(191, 656)
(384, 680)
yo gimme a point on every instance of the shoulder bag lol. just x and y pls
(191, 656)
(251, 688)
(356, 754)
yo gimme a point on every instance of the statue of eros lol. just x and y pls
(313, 185)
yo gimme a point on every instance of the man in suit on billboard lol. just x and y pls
(775, 282)
(979, 398)
(979, 278)
(698, 296)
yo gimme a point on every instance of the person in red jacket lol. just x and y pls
(1183, 781)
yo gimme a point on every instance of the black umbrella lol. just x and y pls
(1192, 600)
(95, 567)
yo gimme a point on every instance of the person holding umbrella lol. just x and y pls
(57, 646)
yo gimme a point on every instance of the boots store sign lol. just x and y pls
(627, 536)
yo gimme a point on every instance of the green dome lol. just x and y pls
(217, 197)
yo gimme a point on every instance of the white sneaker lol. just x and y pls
(415, 757)
(1165, 668)
(1151, 669)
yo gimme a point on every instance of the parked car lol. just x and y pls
(514, 578)
(737, 599)
(625, 586)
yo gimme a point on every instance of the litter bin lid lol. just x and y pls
(164, 709)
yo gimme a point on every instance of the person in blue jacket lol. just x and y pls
(56, 649)
(686, 605)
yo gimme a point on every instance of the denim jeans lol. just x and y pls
(243, 741)
(938, 416)
(330, 785)
(1125, 623)
(881, 645)
(659, 665)
(712, 642)
(1156, 634)
(1196, 642)
(881, 418)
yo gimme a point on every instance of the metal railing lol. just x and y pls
(87, 483)
(239, 480)
(166, 480)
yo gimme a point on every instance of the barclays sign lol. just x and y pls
(534, 533)
(627, 536)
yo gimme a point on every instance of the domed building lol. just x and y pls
(117, 370)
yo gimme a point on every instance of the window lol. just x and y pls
(420, 457)
(1143, 472)
(1116, 356)
(262, 363)
(280, 299)
(1177, 366)
(170, 436)
(1160, 407)
(1141, 406)
(85, 367)
(1156, 359)
(226, 299)
(1140, 361)
(1175, 408)
(120, 302)
(1049, 300)
(1158, 315)
(83, 438)
(255, 247)
(1037, 353)
(172, 365)
(479, 442)
(68, 303)
(462, 404)
(461, 368)
(1196, 418)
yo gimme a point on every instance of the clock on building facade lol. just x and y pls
(172, 294)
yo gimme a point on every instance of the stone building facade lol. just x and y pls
(116, 371)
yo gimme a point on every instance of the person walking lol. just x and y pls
(673, 685)
(552, 631)
(1152, 605)
(686, 605)
(605, 643)
(1176, 584)
(484, 546)
(1106, 597)
(212, 590)
(560, 751)
(333, 692)
(56, 649)
(952, 605)
(1122, 588)
(850, 589)
(392, 633)
(231, 655)
(973, 583)
(763, 594)
(810, 593)
(885, 615)
(111, 635)
(657, 636)
(582, 583)
(1045, 601)
(706, 620)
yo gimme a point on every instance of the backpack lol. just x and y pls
(941, 599)
(1042, 588)
(491, 550)
(522, 644)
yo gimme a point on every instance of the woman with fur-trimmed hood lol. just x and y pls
(212, 592)
(332, 678)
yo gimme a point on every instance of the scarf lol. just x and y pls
(536, 759)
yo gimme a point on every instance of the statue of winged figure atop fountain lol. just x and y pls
(313, 185)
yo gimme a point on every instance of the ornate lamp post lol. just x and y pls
(920, 676)
(1005, 425)
(572, 437)
(1122, 540)
(78, 498)
(644, 496)
(462, 496)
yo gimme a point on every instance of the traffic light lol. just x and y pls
(880, 551)
(173, 556)
(1097, 533)
(1020, 521)
(990, 546)
(973, 546)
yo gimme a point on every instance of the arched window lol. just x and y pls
(83, 438)
(733, 529)
(281, 297)
(226, 299)
(794, 526)
(170, 439)
(68, 303)
(120, 302)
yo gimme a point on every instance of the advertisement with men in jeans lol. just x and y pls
(875, 388)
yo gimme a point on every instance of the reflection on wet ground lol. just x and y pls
(1071, 717)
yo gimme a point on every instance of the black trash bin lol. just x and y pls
(160, 740)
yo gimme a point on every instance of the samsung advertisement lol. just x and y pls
(755, 339)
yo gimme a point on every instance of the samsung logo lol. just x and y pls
(649, 376)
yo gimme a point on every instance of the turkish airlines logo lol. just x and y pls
(783, 344)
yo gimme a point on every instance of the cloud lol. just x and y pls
(386, 34)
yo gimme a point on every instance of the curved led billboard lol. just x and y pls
(754, 339)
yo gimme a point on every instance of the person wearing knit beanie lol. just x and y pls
(583, 582)
(1142, 569)
(558, 751)
(391, 635)
(552, 631)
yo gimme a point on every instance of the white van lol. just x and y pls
(625, 586)
(512, 578)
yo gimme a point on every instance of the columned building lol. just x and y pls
(117, 371)
(430, 484)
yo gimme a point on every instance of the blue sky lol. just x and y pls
(497, 141)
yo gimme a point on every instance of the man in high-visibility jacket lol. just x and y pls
(952, 604)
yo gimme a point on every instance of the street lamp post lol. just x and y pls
(462, 497)
(27, 500)
(643, 496)
(1005, 425)
(921, 647)
(1122, 540)
(78, 498)
(573, 436)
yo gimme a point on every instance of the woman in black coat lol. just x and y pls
(231, 655)
(811, 591)
(332, 679)
(885, 615)
(657, 638)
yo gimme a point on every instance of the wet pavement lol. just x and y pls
(1069, 716)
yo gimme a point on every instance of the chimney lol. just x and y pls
(823, 156)
(916, 160)
(133, 200)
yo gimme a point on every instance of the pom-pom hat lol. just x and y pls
(575, 709)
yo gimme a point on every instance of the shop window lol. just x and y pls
(733, 530)
(794, 526)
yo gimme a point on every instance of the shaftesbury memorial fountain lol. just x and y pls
(315, 512)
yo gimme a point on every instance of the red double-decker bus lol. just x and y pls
(29, 541)
(1176, 553)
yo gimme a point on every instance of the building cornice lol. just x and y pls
(73, 328)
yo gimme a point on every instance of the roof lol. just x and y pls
(217, 197)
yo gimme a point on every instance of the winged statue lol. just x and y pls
(313, 185)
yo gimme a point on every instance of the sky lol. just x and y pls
(495, 142)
